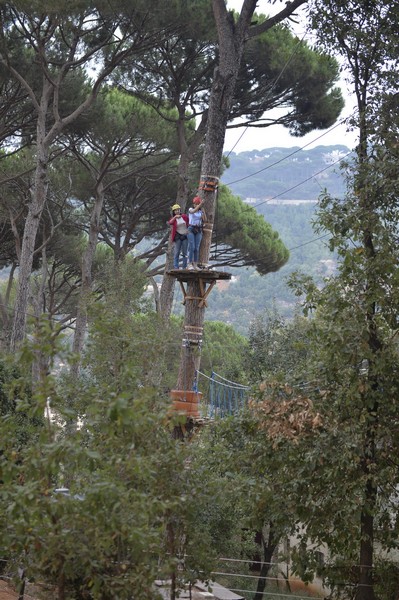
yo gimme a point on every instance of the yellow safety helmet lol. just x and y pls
(176, 207)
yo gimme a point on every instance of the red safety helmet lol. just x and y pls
(197, 200)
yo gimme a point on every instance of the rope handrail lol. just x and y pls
(229, 381)
(237, 386)
(225, 397)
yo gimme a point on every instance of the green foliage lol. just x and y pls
(242, 228)
(288, 73)
(15, 394)
(130, 517)
(251, 485)
(354, 331)
(128, 347)
(278, 349)
(223, 351)
(105, 538)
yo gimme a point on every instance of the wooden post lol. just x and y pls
(196, 287)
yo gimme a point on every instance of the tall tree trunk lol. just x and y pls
(231, 45)
(167, 291)
(32, 223)
(171, 546)
(187, 152)
(5, 310)
(231, 39)
(156, 295)
(39, 197)
(192, 333)
(365, 589)
(41, 360)
(61, 585)
(268, 548)
(87, 266)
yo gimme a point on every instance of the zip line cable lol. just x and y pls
(292, 153)
(290, 189)
(321, 237)
(236, 386)
(288, 595)
(271, 563)
(303, 181)
(239, 385)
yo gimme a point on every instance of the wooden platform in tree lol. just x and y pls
(204, 277)
(205, 274)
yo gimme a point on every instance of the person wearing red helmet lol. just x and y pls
(196, 217)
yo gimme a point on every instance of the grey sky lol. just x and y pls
(257, 139)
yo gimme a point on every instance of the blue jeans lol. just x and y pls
(180, 246)
(194, 243)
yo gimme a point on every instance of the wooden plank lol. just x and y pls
(202, 275)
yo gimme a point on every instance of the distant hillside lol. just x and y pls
(286, 173)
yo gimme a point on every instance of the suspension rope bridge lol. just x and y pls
(223, 397)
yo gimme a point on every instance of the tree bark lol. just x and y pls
(269, 548)
(192, 338)
(87, 266)
(5, 310)
(231, 47)
(365, 589)
(39, 196)
(167, 291)
(187, 152)
(40, 364)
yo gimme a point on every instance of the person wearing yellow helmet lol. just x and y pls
(179, 231)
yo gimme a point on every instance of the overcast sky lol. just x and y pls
(240, 140)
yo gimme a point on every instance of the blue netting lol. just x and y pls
(223, 397)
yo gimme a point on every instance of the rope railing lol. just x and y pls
(223, 396)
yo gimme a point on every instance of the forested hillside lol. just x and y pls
(286, 173)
